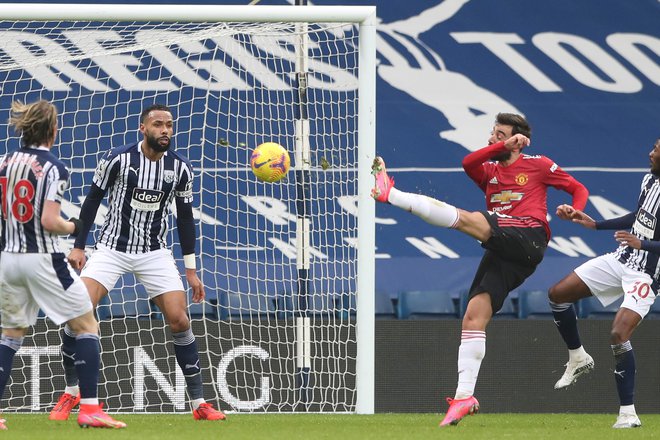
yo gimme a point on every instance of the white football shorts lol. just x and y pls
(608, 279)
(29, 282)
(155, 270)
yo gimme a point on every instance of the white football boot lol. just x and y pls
(575, 370)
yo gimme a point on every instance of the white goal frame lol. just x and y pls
(362, 16)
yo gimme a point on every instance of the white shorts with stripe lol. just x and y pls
(29, 282)
(155, 270)
(608, 279)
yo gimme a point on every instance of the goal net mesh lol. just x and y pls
(231, 86)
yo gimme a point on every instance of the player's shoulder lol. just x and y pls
(175, 155)
(122, 149)
(56, 162)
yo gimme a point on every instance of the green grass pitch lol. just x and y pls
(337, 427)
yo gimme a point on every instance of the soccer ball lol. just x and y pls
(270, 162)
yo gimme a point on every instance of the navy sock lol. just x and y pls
(187, 356)
(566, 321)
(88, 353)
(68, 351)
(8, 348)
(624, 372)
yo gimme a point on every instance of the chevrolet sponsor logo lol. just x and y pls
(506, 197)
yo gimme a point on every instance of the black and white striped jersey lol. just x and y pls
(140, 195)
(645, 227)
(28, 178)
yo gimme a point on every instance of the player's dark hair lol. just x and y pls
(36, 122)
(519, 123)
(157, 107)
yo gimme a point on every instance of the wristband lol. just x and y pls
(77, 225)
(189, 261)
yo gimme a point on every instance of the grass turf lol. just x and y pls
(337, 427)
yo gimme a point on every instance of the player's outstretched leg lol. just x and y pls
(459, 408)
(3, 427)
(574, 369)
(384, 183)
(92, 416)
(64, 406)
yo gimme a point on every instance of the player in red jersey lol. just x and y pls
(513, 231)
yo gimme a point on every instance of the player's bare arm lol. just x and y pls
(581, 218)
(53, 222)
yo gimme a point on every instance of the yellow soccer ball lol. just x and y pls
(270, 162)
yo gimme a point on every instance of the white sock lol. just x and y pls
(470, 354)
(195, 403)
(74, 390)
(93, 401)
(428, 209)
(627, 409)
(577, 355)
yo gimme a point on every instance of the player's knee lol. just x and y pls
(179, 323)
(555, 295)
(620, 334)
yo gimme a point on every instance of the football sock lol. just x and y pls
(187, 356)
(627, 409)
(68, 350)
(624, 372)
(88, 354)
(428, 209)
(470, 354)
(8, 348)
(566, 322)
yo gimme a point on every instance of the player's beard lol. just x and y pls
(154, 144)
(501, 157)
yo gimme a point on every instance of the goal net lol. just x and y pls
(282, 263)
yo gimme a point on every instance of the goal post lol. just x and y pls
(288, 324)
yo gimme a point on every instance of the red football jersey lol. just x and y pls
(521, 189)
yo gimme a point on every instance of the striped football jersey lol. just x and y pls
(140, 194)
(28, 178)
(645, 227)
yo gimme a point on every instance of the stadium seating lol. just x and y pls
(384, 306)
(345, 305)
(508, 310)
(286, 305)
(591, 307)
(654, 312)
(125, 303)
(244, 306)
(203, 310)
(425, 304)
(534, 305)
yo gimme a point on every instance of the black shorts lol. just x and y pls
(512, 254)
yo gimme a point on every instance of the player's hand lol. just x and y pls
(580, 217)
(77, 258)
(516, 142)
(627, 239)
(565, 212)
(196, 285)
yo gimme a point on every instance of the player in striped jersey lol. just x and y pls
(632, 270)
(142, 180)
(514, 231)
(34, 273)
